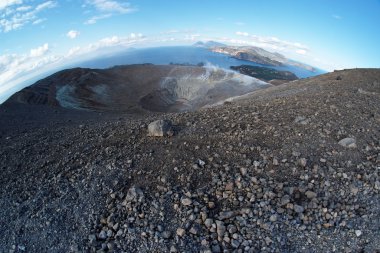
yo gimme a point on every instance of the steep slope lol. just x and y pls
(267, 172)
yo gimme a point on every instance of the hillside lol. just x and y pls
(289, 168)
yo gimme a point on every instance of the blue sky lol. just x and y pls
(38, 35)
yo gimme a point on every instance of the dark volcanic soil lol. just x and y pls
(264, 173)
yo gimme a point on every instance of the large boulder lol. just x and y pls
(160, 128)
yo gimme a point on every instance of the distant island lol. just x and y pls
(266, 74)
(253, 54)
(199, 64)
(209, 44)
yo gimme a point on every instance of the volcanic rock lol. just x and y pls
(160, 128)
(348, 143)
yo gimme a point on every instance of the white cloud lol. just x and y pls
(39, 21)
(72, 34)
(39, 51)
(6, 3)
(73, 51)
(111, 6)
(134, 35)
(9, 25)
(24, 8)
(94, 19)
(46, 5)
(111, 41)
(301, 51)
(337, 16)
(14, 18)
(106, 9)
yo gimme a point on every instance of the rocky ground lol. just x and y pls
(292, 168)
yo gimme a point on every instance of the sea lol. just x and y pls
(187, 55)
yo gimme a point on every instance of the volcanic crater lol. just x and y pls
(142, 87)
